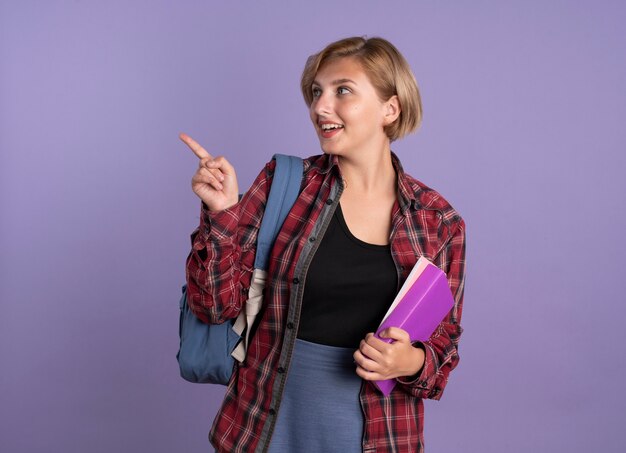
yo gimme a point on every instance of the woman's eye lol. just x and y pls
(342, 90)
(316, 92)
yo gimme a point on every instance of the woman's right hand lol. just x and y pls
(215, 181)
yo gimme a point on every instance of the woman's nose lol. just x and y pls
(323, 104)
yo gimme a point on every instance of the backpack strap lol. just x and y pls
(283, 194)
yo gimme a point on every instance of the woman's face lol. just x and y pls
(346, 111)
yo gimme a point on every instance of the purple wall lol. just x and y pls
(523, 133)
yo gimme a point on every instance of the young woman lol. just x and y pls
(355, 232)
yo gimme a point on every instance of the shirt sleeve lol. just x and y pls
(221, 261)
(441, 350)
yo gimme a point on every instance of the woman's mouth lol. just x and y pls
(329, 130)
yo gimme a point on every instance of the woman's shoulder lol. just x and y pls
(427, 198)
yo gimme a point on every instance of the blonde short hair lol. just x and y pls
(387, 70)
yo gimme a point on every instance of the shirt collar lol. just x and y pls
(407, 193)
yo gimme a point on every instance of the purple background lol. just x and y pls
(523, 133)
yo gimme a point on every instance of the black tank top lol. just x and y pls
(349, 287)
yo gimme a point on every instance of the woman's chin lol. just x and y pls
(329, 150)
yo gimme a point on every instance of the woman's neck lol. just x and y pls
(368, 175)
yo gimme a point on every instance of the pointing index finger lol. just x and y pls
(194, 146)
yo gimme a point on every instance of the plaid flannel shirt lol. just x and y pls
(219, 270)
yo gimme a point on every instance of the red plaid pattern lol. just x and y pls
(219, 270)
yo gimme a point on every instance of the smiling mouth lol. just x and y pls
(330, 130)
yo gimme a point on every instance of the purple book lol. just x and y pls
(420, 310)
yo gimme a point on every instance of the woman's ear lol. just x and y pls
(392, 110)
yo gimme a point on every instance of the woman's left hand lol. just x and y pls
(377, 360)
